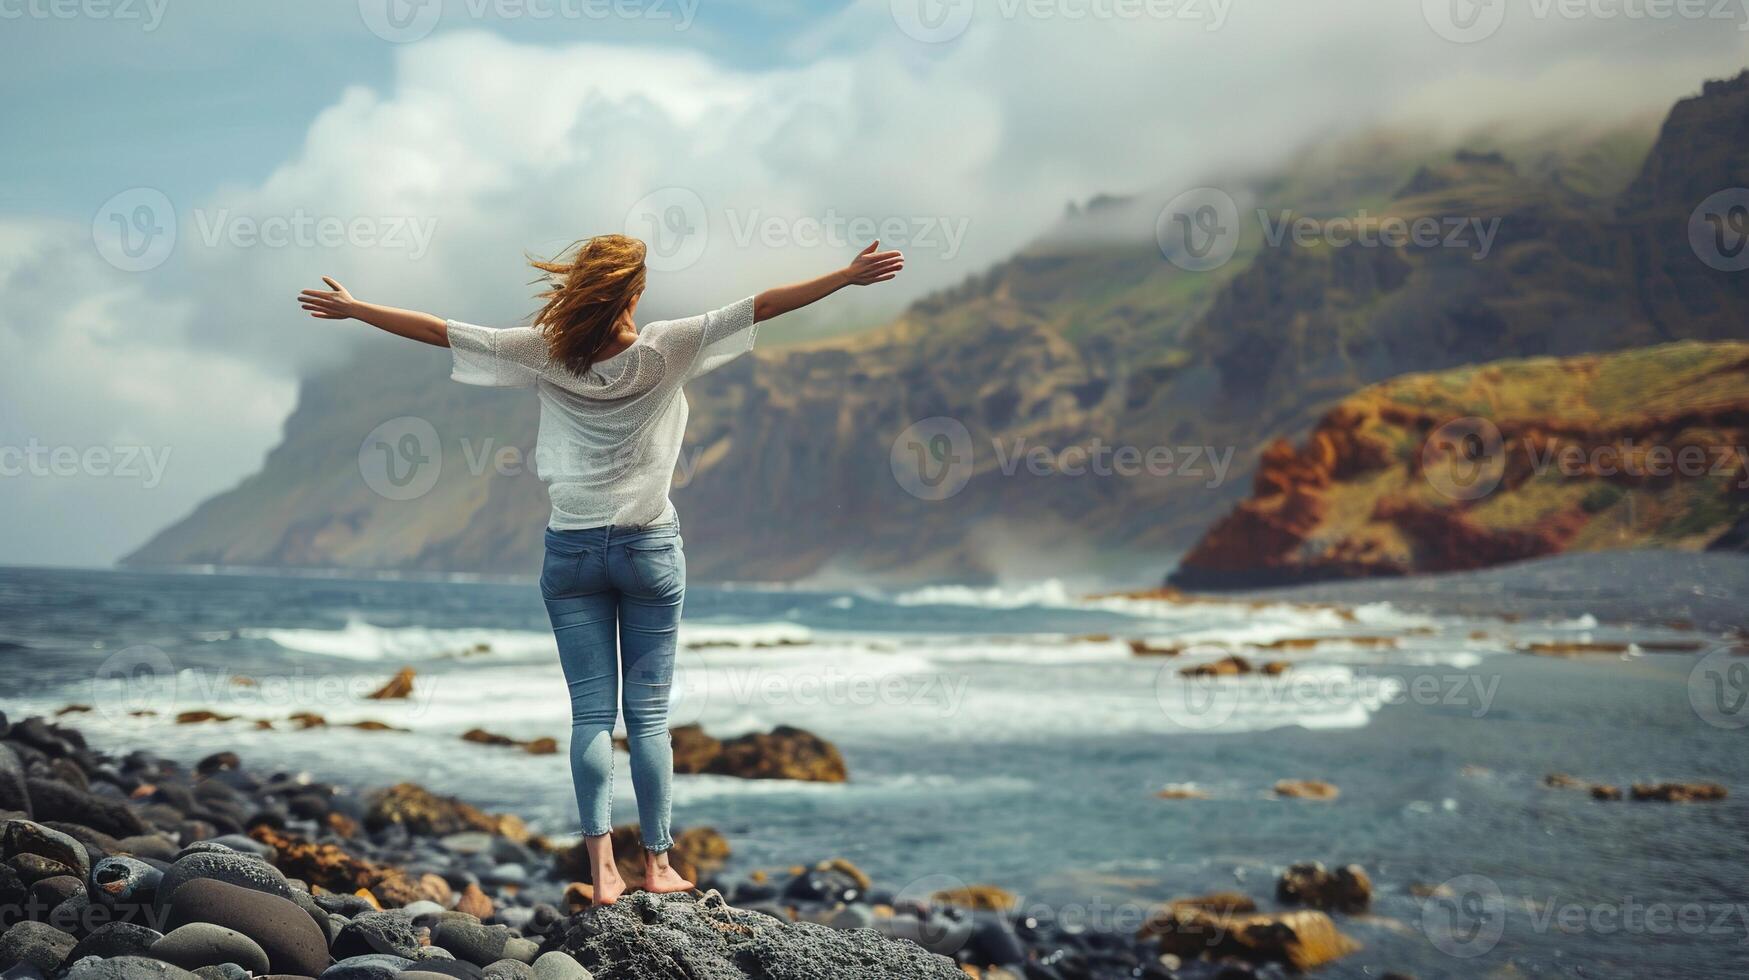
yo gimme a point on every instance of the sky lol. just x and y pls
(173, 171)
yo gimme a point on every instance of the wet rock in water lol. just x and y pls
(1309, 883)
(35, 944)
(1306, 789)
(983, 898)
(398, 687)
(1221, 902)
(425, 813)
(1228, 666)
(1604, 791)
(1679, 792)
(1181, 792)
(201, 944)
(534, 746)
(293, 942)
(646, 935)
(782, 753)
(694, 751)
(1300, 940)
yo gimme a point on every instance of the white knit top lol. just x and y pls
(610, 437)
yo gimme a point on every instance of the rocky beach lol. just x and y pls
(133, 866)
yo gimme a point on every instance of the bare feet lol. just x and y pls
(603, 872)
(660, 877)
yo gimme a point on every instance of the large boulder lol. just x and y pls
(293, 942)
(782, 753)
(1302, 940)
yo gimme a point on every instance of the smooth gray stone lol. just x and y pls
(201, 944)
(558, 966)
(508, 970)
(375, 966)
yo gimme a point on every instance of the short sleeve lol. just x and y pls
(700, 344)
(492, 358)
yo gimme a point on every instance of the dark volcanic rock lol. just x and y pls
(52, 799)
(14, 795)
(293, 942)
(127, 968)
(646, 936)
(245, 870)
(27, 837)
(40, 945)
(116, 939)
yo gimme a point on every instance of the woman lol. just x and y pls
(612, 418)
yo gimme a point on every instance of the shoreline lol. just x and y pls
(315, 879)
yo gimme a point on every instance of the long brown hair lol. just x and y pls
(593, 282)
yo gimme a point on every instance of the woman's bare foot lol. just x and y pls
(660, 877)
(603, 871)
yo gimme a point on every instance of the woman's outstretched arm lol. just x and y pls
(339, 305)
(868, 267)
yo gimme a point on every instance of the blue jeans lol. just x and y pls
(608, 588)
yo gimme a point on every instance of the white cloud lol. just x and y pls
(495, 147)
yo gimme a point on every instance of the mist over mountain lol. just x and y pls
(1088, 345)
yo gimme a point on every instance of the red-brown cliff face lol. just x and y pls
(1483, 466)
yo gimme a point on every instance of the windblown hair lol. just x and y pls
(593, 282)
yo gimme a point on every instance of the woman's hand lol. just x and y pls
(337, 305)
(871, 266)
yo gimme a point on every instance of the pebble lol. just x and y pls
(201, 944)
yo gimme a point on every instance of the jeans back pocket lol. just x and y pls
(657, 564)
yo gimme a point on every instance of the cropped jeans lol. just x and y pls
(608, 590)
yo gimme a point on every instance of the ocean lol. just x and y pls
(1011, 736)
